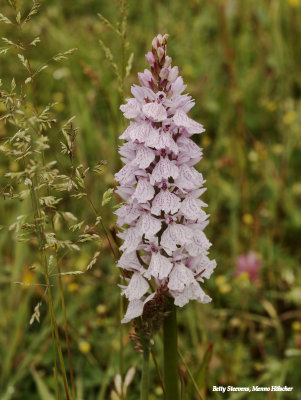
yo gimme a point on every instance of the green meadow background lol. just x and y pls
(241, 62)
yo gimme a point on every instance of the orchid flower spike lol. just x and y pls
(162, 218)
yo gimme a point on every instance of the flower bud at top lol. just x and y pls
(160, 52)
(160, 39)
(155, 43)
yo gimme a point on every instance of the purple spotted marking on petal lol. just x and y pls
(144, 157)
(144, 191)
(148, 225)
(136, 288)
(181, 119)
(165, 201)
(180, 277)
(131, 109)
(154, 111)
(160, 267)
(163, 170)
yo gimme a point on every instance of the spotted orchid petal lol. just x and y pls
(165, 201)
(144, 191)
(136, 287)
(163, 170)
(182, 120)
(156, 112)
(180, 277)
(159, 267)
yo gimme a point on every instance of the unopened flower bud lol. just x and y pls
(150, 59)
(165, 37)
(160, 52)
(167, 61)
(164, 73)
(160, 39)
(155, 43)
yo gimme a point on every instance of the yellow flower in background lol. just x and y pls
(253, 156)
(294, 3)
(244, 276)
(289, 117)
(101, 309)
(224, 289)
(206, 141)
(73, 287)
(222, 284)
(296, 189)
(84, 347)
(271, 106)
(296, 326)
(247, 219)
(27, 279)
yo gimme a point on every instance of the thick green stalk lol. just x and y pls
(145, 374)
(170, 368)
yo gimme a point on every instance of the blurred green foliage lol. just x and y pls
(241, 62)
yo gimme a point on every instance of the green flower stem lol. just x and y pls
(170, 368)
(145, 374)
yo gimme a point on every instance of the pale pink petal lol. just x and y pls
(125, 192)
(190, 152)
(191, 292)
(127, 151)
(180, 277)
(166, 142)
(126, 174)
(145, 77)
(130, 262)
(131, 109)
(173, 74)
(140, 131)
(191, 208)
(154, 111)
(206, 267)
(127, 213)
(136, 287)
(132, 239)
(182, 120)
(189, 178)
(134, 310)
(165, 201)
(163, 170)
(144, 157)
(178, 87)
(152, 139)
(144, 191)
(140, 93)
(160, 267)
(198, 243)
(175, 234)
(148, 225)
